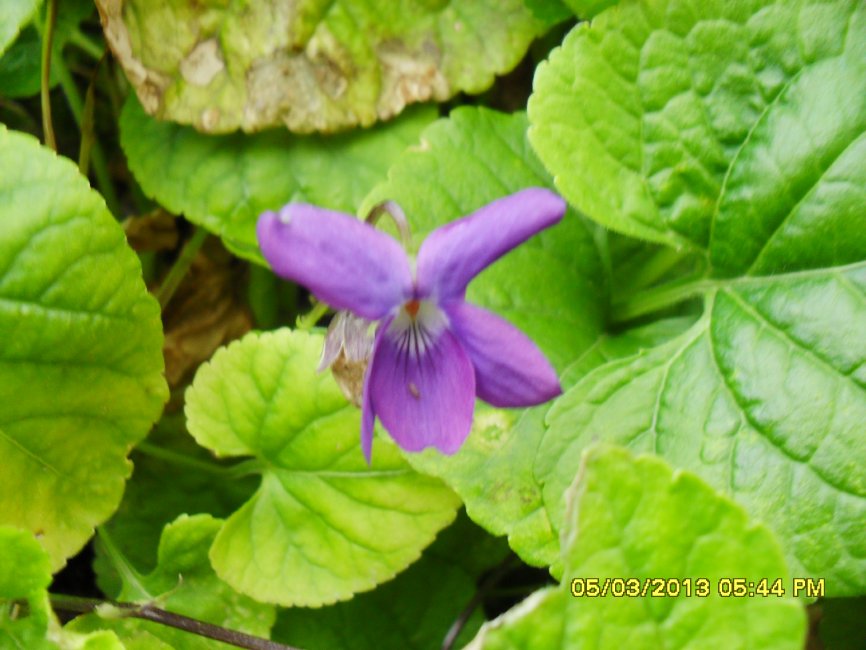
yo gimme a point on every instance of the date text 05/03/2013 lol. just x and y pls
(698, 587)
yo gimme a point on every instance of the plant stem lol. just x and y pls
(168, 455)
(47, 39)
(656, 266)
(180, 267)
(77, 107)
(86, 44)
(658, 298)
(88, 137)
(309, 320)
(156, 615)
(489, 583)
(128, 574)
(177, 458)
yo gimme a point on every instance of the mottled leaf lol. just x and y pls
(310, 65)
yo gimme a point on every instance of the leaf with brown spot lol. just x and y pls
(307, 64)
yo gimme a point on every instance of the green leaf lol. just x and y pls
(184, 572)
(415, 610)
(794, 195)
(25, 569)
(312, 65)
(323, 524)
(587, 9)
(238, 177)
(763, 404)
(550, 287)
(640, 114)
(40, 630)
(635, 517)
(551, 12)
(609, 347)
(198, 485)
(81, 365)
(737, 131)
(14, 14)
(21, 66)
(25, 573)
(185, 583)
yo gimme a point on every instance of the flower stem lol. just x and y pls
(181, 266)
(47, 39)
(309, 320)
(148, 612)
(658, 298)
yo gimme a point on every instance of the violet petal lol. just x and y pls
(510, 370)
(455, 253)
(423, 399)
(341, 260)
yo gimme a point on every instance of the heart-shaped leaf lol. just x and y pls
(323, 524)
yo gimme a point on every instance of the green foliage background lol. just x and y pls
(703, 300)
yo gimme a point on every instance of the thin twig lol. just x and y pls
(489, 583)
(170, 619)
(47, 38)
(181, 265)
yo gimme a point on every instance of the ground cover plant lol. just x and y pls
(433, 324)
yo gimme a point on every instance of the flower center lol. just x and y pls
(417, 326)
(412, 308)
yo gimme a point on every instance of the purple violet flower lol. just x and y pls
(433, 352)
